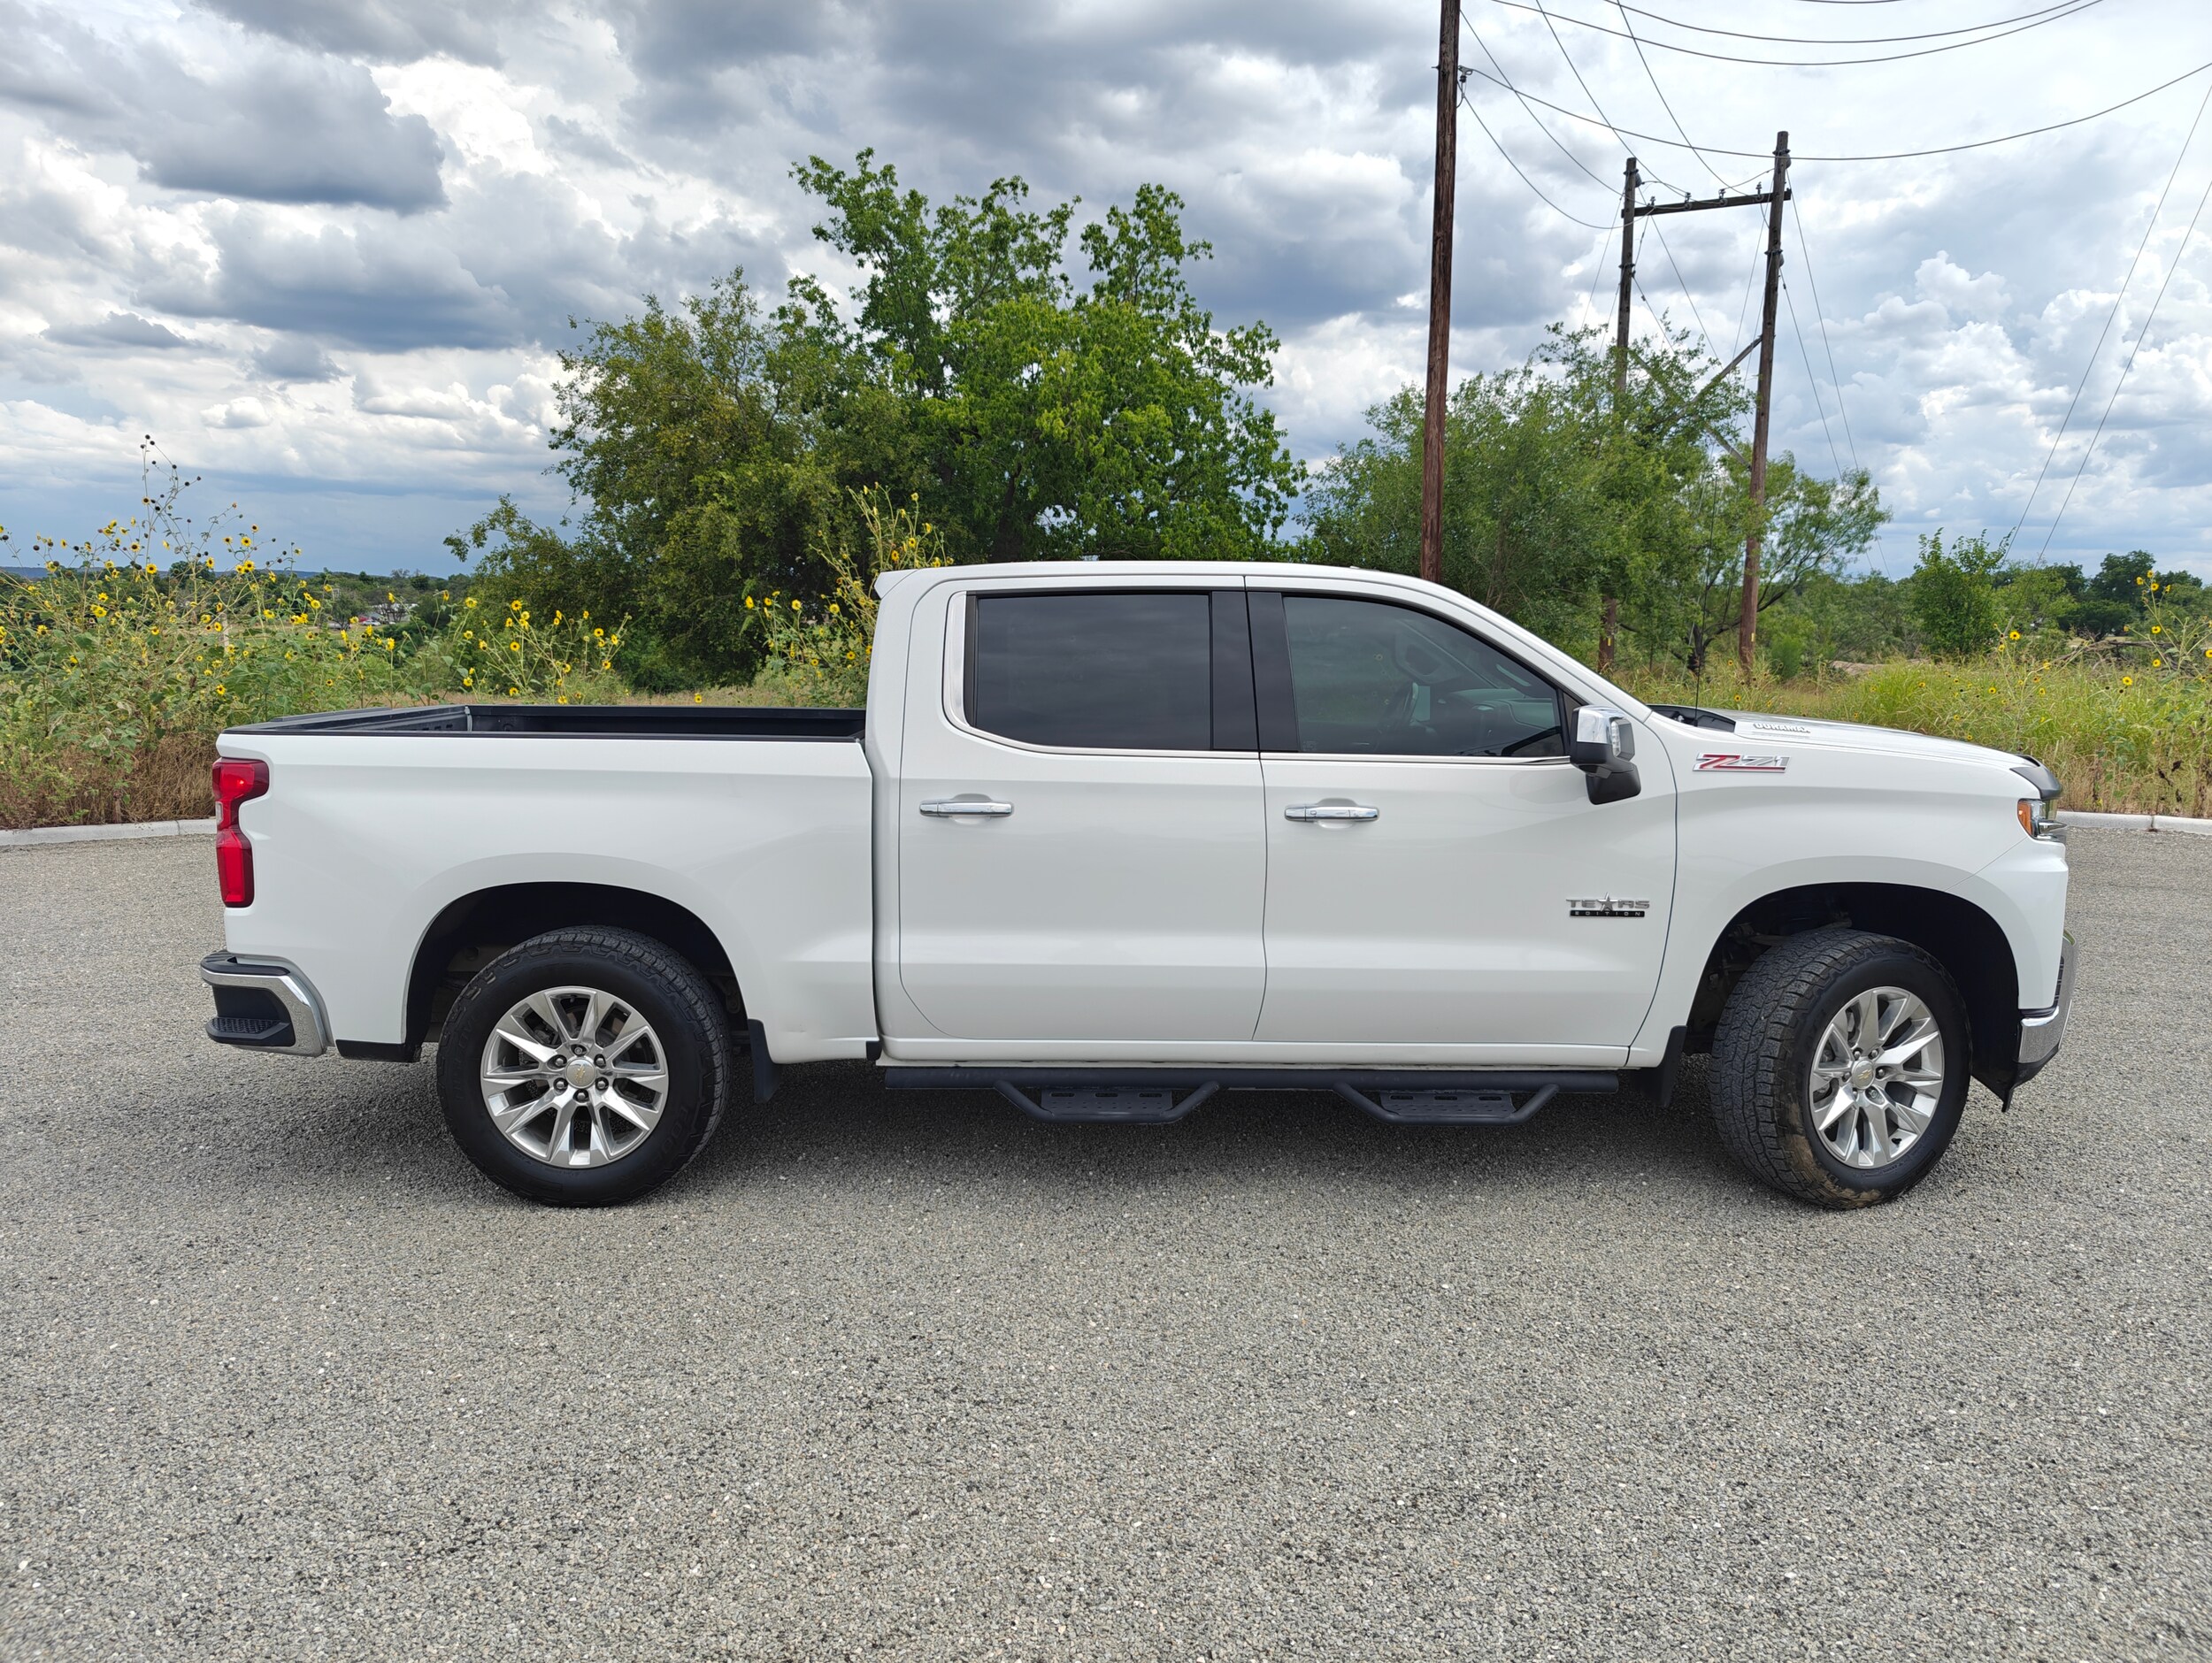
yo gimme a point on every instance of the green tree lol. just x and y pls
(1110, 418)
(714, 448)
(1954, 595)
(1559, 492)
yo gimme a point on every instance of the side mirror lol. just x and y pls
(1603, 746)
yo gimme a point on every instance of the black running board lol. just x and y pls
(1159, 1096)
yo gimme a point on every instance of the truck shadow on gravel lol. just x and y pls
(833, 1120)
(837, 1113)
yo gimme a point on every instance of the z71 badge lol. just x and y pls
(1740, 762)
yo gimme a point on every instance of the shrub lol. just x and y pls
(117, 671)
(822, 655)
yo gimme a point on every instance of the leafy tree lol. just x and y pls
(714, 448)
(1558, 493)
(1057, 420)
(1955, 596)
(2040, 600)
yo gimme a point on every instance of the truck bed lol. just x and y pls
(581, 721)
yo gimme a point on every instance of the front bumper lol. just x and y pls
(2040, 1031)
(264, 1006)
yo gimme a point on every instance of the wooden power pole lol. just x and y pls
(1440, 295)
(1748, 625)
(1610, 616)
(1628, 278)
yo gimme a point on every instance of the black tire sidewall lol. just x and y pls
(1899, 966)
(492, 994)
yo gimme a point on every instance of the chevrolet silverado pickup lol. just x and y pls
(1112, 838)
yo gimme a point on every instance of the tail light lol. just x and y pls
(236, 781)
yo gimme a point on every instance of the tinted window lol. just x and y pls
(1103, 671)
(1369, 679)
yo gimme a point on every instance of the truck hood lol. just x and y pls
(1855, 736)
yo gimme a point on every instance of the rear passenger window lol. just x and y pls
(1097, 671)
(1369, 679)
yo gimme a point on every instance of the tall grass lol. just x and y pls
(2129, 730)
(118, 668)
(142, 642)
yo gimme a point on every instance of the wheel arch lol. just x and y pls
(1959, 935)
(473, 929)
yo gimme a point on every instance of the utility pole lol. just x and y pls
(1440, 295)
(1609, 618)
(1748, 625)
(1629, 181)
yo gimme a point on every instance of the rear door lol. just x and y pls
(1080, 843)
(1429, 844)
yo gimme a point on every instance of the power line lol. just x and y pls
(2124, 368)
(1887, 156)
(1750, 282)
(1820, 315)
(2075, 7)
(1797, 329)
(1587, 224)
(2156, 209)
(1532, 117)
(1597, 270)
(1603, 120)
(1861, 40)
(1669, 108)
(1685, 285)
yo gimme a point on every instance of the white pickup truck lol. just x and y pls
(1111, 837)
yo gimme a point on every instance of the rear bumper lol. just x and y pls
(264, 1006)
(2041, 1031)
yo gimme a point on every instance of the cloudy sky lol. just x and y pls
(326, 249)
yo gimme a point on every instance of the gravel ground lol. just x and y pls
(912, 1377)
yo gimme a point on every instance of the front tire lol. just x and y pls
(585, 1068)
(1840, 1067)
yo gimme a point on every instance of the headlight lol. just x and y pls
(2039, 822)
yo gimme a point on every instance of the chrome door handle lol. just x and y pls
(1331, 811)
(959, 807)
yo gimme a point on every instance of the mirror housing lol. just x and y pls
(1603, 746)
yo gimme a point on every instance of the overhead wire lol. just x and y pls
(1684, 281)
(1887, 156)
(1798, 330)
(2149, 230)
(1859, 40)
(1507, 82)
(1603, 120)
(1750, 282)
(1669, 108)
(1820, 315)
(2152, 319)
(2075, 6)
(1470, 104)
(1597, 270)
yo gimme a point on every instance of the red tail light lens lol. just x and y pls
(236, 781)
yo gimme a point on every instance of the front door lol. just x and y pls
(1081, 854)
(1428, 842)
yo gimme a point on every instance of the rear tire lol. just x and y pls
(1840, 1067)
(585, 1066)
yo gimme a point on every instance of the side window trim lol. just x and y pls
(1270, 671)
(1278, 705)
(1236, 709)
(1232, 712)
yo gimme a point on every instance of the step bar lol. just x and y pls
(1160, 1097)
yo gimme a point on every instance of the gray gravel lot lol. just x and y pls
(916, 1378)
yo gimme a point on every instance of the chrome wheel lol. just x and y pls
(1877, 1078)
(575, 1076)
